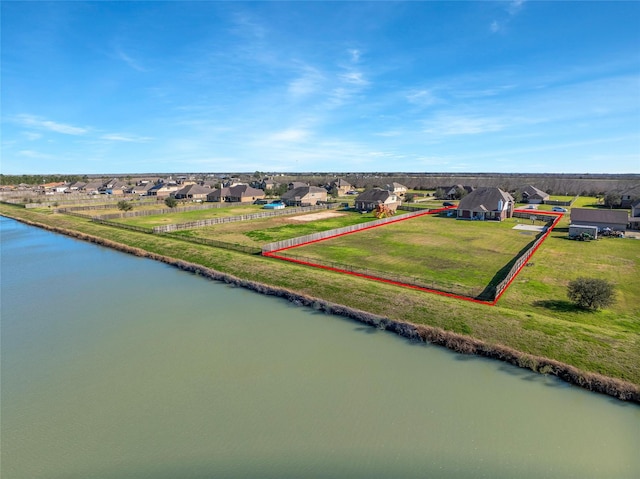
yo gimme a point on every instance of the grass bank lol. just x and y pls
(591, 353)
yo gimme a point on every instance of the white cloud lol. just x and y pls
(124, 137)
(462, 125)
(512, 9)
(307, 84)
(289, 135)
(129, 61)
(31, 135)
(354, 78)
(422, 97)
(33, 154)
(41, 123)
(355, 55)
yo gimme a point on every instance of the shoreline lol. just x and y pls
(459, 343)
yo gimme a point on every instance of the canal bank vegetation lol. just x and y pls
(532, 326)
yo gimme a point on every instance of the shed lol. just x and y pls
(577, 230)
(617, 220)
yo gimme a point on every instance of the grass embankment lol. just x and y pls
(524, 321)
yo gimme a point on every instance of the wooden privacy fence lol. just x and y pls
(163, 211)
(62, 201)
(123, 226)
(65, 209)
(233, 219)
(561, 203)
(413, 208)
(289, 243)
(500, 287)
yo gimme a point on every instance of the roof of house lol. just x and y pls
(633, 191)
(340, 183)
(237, 191)
(244, 191)
(373, 195)
(193, 190)
(599, 216)
(531, 190)
(93, 185)
(485, 199)
(301, 192)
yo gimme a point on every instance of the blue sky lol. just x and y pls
(135, 87)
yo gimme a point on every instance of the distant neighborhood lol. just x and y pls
(620, 211)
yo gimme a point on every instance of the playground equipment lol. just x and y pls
(383, 211)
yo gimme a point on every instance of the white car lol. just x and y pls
(559, 209)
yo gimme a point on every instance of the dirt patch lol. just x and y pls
(323, 215)
(529, 227)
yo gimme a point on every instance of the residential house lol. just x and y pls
(268, 184)
(93, 187)
(454, 192)
(76, 186)
(113, 187)
(533, 195)
(162, 190)
(230, 182)
(304, 196)
(341, 186)
(616, 220)
(236, 194)
(52, 188)
(486, 204)
(629, 196)
(296, 184)
(396, 188)
(141, 189)
(192, 192)
(370, 199)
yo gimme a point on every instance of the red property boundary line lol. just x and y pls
(273, 254)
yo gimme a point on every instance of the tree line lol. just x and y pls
(38, 179)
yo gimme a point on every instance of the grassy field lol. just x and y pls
(457, 256)
(533, 316)
(261, 231)
(187, 216)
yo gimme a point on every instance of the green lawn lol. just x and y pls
(267, 230)
(185, 217)
(435, 251)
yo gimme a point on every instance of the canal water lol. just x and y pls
(115, 366)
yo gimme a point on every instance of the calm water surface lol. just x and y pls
(119, 367)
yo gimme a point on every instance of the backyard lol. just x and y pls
(433, 251)
(257, 232)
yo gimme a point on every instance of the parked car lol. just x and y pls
(559, 209)
(531, 207)
(448, 203)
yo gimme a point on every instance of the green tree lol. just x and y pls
(440, 194)
(612, 200)
(591, 293)
(460, 193)
(409, 197)
(171, 202)
(125, 205)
